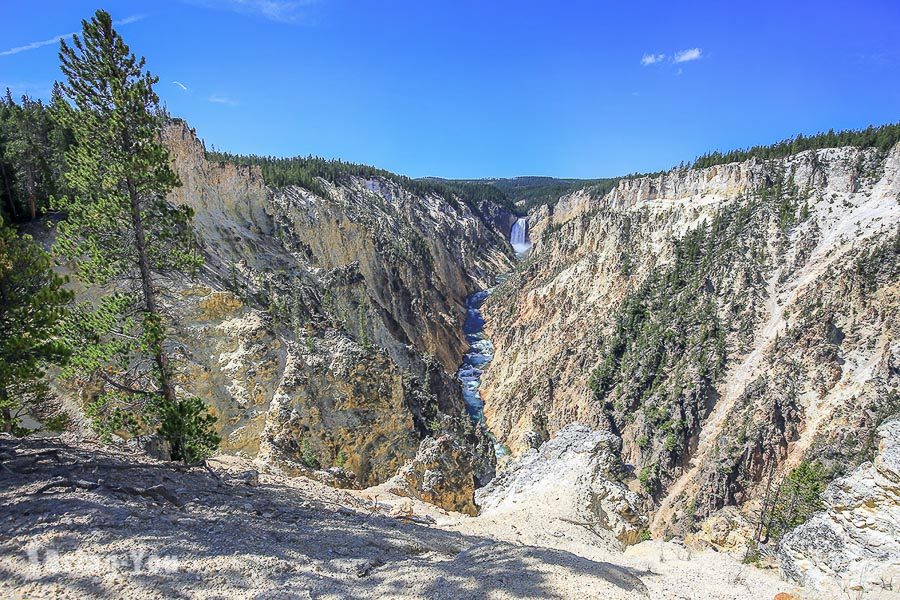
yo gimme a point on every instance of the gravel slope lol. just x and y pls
(136, 528)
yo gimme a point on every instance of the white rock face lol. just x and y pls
(570, 477)
(854, 544)
(795, 308)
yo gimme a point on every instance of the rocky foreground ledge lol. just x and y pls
(852, 548)
(81, 521)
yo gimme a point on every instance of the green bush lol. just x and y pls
(187, 426)
(308, 456)
(648, 477)
(32, 313)
(797, 498)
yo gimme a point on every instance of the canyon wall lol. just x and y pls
(324, 331)
(725, 322)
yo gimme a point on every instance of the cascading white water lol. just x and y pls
(480, 353)
(518, 236)
(476, 360)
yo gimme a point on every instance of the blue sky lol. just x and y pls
(460, 88)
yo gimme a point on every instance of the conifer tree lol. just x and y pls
(31, 145)
(32, 307)
(122, 231)
(28, 147)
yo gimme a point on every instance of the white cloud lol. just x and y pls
(129, 20)
(688, 55)
(284, 11)
(222, 99)
(33, 45)
(56, 39)
(181, 85)
(652, 59)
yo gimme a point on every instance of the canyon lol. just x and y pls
(613, 378)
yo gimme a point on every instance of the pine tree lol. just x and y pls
(31, 146)
(796, 499)
(122, 231)
(32, 307)
(7, 108)
(25, 149)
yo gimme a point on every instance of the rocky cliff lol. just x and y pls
(324, 330)
(725, 322)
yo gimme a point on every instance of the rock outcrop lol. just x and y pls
(440, 474)
(853, 546)
(726, 530)
(574, 476)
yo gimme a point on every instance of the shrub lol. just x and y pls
(798, 497)
(649, 479)
(308, 456)
(188, 428)
(32, 310)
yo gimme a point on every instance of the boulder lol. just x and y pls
(441, 474)
(573, 477)
(726, 530)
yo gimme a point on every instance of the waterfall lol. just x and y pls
(518, 236)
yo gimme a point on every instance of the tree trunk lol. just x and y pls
(162, 361)
(762, 525)
(7, 414)
(30, 184)
(9, 195)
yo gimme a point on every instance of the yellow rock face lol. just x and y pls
(318, 322)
